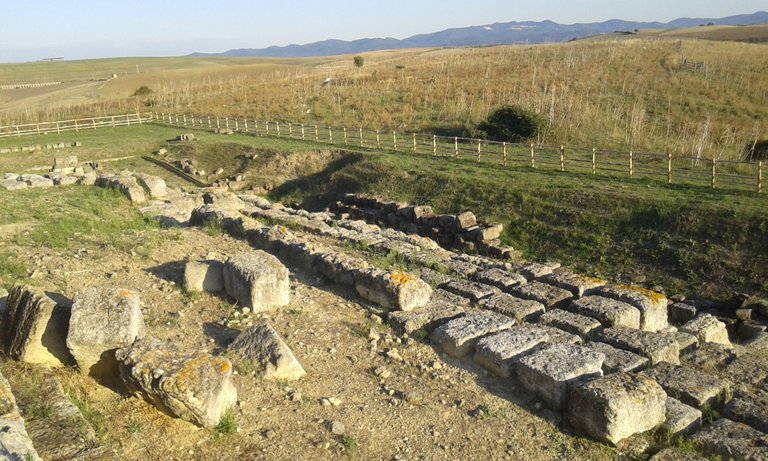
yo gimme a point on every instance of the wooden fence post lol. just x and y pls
(185, 120)
(330, 135)
(266, 126)
(237, 125)
(38, 129)
(479, 149)
(533, 156)
(245, 124)
(414, 143)
(434, 145)
(378, 140)
(504, 149)
(76, 129)
(714, 173)
(226, 122)
(361, 136)
(277, 124)
(113, 122)
(631, 164)
(394, 140)
(594, 161)
(290, 130)
(93, 122)
(759, 176)
(209, 122)
(303, 137)
(562, 158)
(317, 133)
(18, 133)
(58, 130)
(345, 135)
(669, 168)
(456, 146)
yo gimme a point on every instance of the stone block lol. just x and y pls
(15, 443)
(500, 278)
(709, 356)
(748, 369)
(548, 295)
(535, 271)
(499, 352)
(462, 269)
(426, 319)
(676, 454)
(658, 347)
(609, 312)
(153, 184)
(340, 268)
(652, 305)
(459, 336)
(34, 328)
(260, 348)
(257, 280)
(681, 312)
(692, 387)
(681, 419)
(618, 360)
(204, 276)
(465, 221)
(732, 440)
(223, 200)
(64, 180)
(393, 290)
(39, 182)
(196, 387)
(749, 407)
(615, 407)
(570, 322)
(575, 283)
(470, 290)
(686, 341)
(707, 329)
(554, 371)
(521, 310)
(486, 232)
(558, 336)
(102, 321)
(13, 184)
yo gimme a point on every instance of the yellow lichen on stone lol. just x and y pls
(652, 295)
(399, 278)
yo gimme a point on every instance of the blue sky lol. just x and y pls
(105, 28)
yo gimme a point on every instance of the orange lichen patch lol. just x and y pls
(652, 295)
(123, 293)
(594, 280)
(222, 365)
(399, 278)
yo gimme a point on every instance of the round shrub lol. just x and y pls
(757, 151)
(511, 124)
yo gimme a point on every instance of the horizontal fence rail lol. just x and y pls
(666, 168)
(34, 129)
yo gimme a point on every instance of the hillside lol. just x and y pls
(502, 33)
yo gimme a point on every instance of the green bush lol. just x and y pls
(511, 124)
(358, 60)
(143, 91)
(757, 151)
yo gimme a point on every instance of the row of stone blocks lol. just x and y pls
(35, 147)
(102, 333)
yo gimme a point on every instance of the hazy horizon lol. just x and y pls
(89, 29)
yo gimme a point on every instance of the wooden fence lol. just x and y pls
(34, 129)
(657, 167)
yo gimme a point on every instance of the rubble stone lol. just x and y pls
(196, 387)
(257, 280)
(681, 312)
(393, 290)
(261, 348)
(153, 184)
(553, 371)
(15, 443)
(615, 407)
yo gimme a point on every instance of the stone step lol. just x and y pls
(548, 295)
(681, 419)
(692, 387)
(618, 360)
(658, 347)
(426, 319)
(570, 322)
(732, 440)
(575, 283)
(749, 406)
(652, 305)
(500, 279)
(610, 312)
(470, 290)
(459, 336)
(522, 310)
(499, 352)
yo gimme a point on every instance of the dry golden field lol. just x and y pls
(613, 93)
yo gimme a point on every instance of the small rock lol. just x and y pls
(336, 427)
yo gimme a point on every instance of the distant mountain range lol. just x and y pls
(503, 33)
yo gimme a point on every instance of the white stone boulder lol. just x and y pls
(708, 330)
(257, 280)
(260, 349)
(204, 276)
(393, 289)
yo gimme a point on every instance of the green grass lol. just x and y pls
(350, 444)
(228, 424)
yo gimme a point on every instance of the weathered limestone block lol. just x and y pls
(558, 336)
(257, 280)
(533, 271)
(393, 290)
(87, 179)
(548, 295)
(15, 444)
(681, 312)
(459, 336)
(613, 408)
(64, 180)
(196, 387)
(749, 408)
(554, 371)
(676, 454)
(486, 232)
(575, 283)
(13, 184)
(34, 328)
(732, 441)
(686, 341)
(658, 347)
(521, 310)
(39, 182)
(500, 278)
(461, 268)
(609, 312)
(499, 352)
(129, 187)
(102, 321)
(707, 329)
(709, 356)
(652, 305)
(437, 312)
(204, 276)
(229, 220)
(65, 164)
(681, 419)
(568, 321)
(223, 200)
(260, 348)
(749, 369)
(153, 184)
(471, 290)
(692, 387)
(340, 268)
(617, 360)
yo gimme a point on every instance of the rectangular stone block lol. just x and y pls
(708, 330)
(570, 322)
(521, 310)
(749, 407)
(575, 283)
(499, 352)
(658, 347)
(652, 305)
(609, 312)
(732, 440)
(554, 371)
(615, 407)
(535, 271)
(500, 278)
(547, 295)
(681, 419)
(426, 319)
(257, 280)
(394, 290)
(692, 387)
(459, 336)
(204, 276)
(618, 360)
(470, 290)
